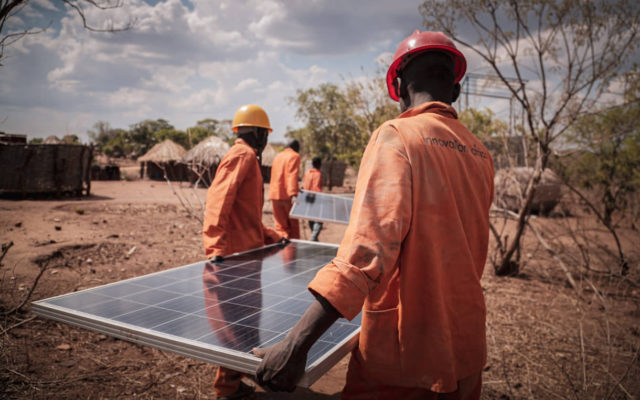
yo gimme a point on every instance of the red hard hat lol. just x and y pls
(425, 41)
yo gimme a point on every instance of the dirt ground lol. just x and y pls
(546, 339)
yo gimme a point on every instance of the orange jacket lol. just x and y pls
(233, 219)
(284, 175)
(414, 251)
(312, 180)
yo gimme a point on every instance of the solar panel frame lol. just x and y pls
(322, 207)
(327, 350)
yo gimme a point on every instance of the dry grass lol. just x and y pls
(546, 339)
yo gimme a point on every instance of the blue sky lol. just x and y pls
(185, 61)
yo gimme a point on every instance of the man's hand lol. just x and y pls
(294, 199)
(282, 365)
(284, 241)
(217, 259)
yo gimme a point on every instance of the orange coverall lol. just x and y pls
(413, 255)
(233, 223)
(312, 180)
(283, 186)
(233, 219)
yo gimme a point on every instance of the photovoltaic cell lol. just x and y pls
(214, 312)
(322, 207)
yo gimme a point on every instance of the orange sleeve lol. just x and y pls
(380, 220)
(291, 174)
(270, 235)
(220, 198)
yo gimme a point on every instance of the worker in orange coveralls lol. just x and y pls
(283, 189)
(415, 248)
(233, 219)
(312, 181)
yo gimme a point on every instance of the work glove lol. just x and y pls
(217, 259)
(284, 241)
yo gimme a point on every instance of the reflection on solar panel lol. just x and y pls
(214, 312)
(322, 207)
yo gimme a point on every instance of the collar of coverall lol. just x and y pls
(242, 142)
(436, 107)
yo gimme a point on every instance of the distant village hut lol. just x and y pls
(333, 172)
(45, 169)
(12, 138)
(268, 154)
(52, 140)
(204, 158)
(164, 158)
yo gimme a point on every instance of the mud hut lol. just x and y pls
(204, 158)
(164, 157)
(333, 172)
(268, 154)
(510, 185)
(12, 138)
(45, 169)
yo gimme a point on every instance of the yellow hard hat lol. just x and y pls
(250, 115)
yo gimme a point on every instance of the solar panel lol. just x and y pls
(216, 313)
(323, 207)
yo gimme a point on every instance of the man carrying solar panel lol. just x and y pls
(312, 181)
(415, 248)
(233, 219)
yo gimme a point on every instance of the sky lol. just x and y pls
(186, 60)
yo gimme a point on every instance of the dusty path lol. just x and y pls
(545, 340)
(124, 229)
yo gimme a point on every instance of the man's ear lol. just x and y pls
(403, 92)
(455, 93)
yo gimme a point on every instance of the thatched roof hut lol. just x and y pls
(208, 152)
(162, 159)
(52, 140)
(268, 154)
(164, 152)
(204, 158)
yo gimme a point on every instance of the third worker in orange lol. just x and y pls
(283, 189)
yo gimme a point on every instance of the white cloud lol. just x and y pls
(184, 63)
(46, 4)
(247, 84)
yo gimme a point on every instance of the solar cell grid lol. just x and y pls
(322, 207)
(214, 312)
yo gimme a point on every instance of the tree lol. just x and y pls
(494, 133)
(175, 135)
(210, 126)
(338, 121)
(606, 160)
(111, 142)
(483, 124)
(330, 130)
(71, 139)
(563, 54)
(10, 10)
(143, 134)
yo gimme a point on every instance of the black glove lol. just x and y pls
(217, 259)
(284, 241)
